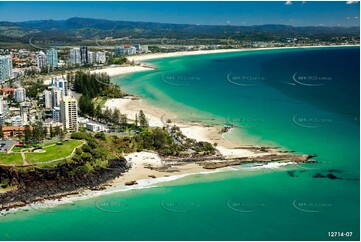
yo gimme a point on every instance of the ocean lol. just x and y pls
(304, 100)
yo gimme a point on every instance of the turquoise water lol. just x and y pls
(301, 99)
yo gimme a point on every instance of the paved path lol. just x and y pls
(25, 163)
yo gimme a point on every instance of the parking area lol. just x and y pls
(6, 145)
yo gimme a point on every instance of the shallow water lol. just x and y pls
(252, 91)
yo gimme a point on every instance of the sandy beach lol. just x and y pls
(140, 58)
(200, 132)
(148, 168)
(121, 70)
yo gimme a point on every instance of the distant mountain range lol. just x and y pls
(81, 29)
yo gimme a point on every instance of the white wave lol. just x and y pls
(45, 206)
(257, 166)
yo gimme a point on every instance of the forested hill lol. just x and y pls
(79, 29)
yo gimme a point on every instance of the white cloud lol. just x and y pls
(288, 3)
(356, 17)
(352, 2)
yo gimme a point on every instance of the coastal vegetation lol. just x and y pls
(92, 86)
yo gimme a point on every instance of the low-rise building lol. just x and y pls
(96, 127)
(13, 131)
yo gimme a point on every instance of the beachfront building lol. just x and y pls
(119, 50)
(137, 47)
(84, 55)
(130, 50)
(6, 68)
(91, 57)
(75, 56)
(52, 57)
(20, 94)
(41, 60)
(100, 57)
(125, 50)
(69, 114)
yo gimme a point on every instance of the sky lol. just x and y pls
(305, 13)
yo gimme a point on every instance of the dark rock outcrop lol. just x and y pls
(35, 184)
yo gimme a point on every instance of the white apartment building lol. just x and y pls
(48, 101)
(100, 57)
(41, 60)
(69, 114)
(75, 56)
(6, 68)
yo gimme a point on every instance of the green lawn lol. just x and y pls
(18, 149)
(26, 147)
(53, 152)
(10, 159)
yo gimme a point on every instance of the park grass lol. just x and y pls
(11, 159)
(53, 152)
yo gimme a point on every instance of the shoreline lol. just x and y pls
(220, 51)
(148, 168)
(194, 130)
(141, 67)
(122, 70)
